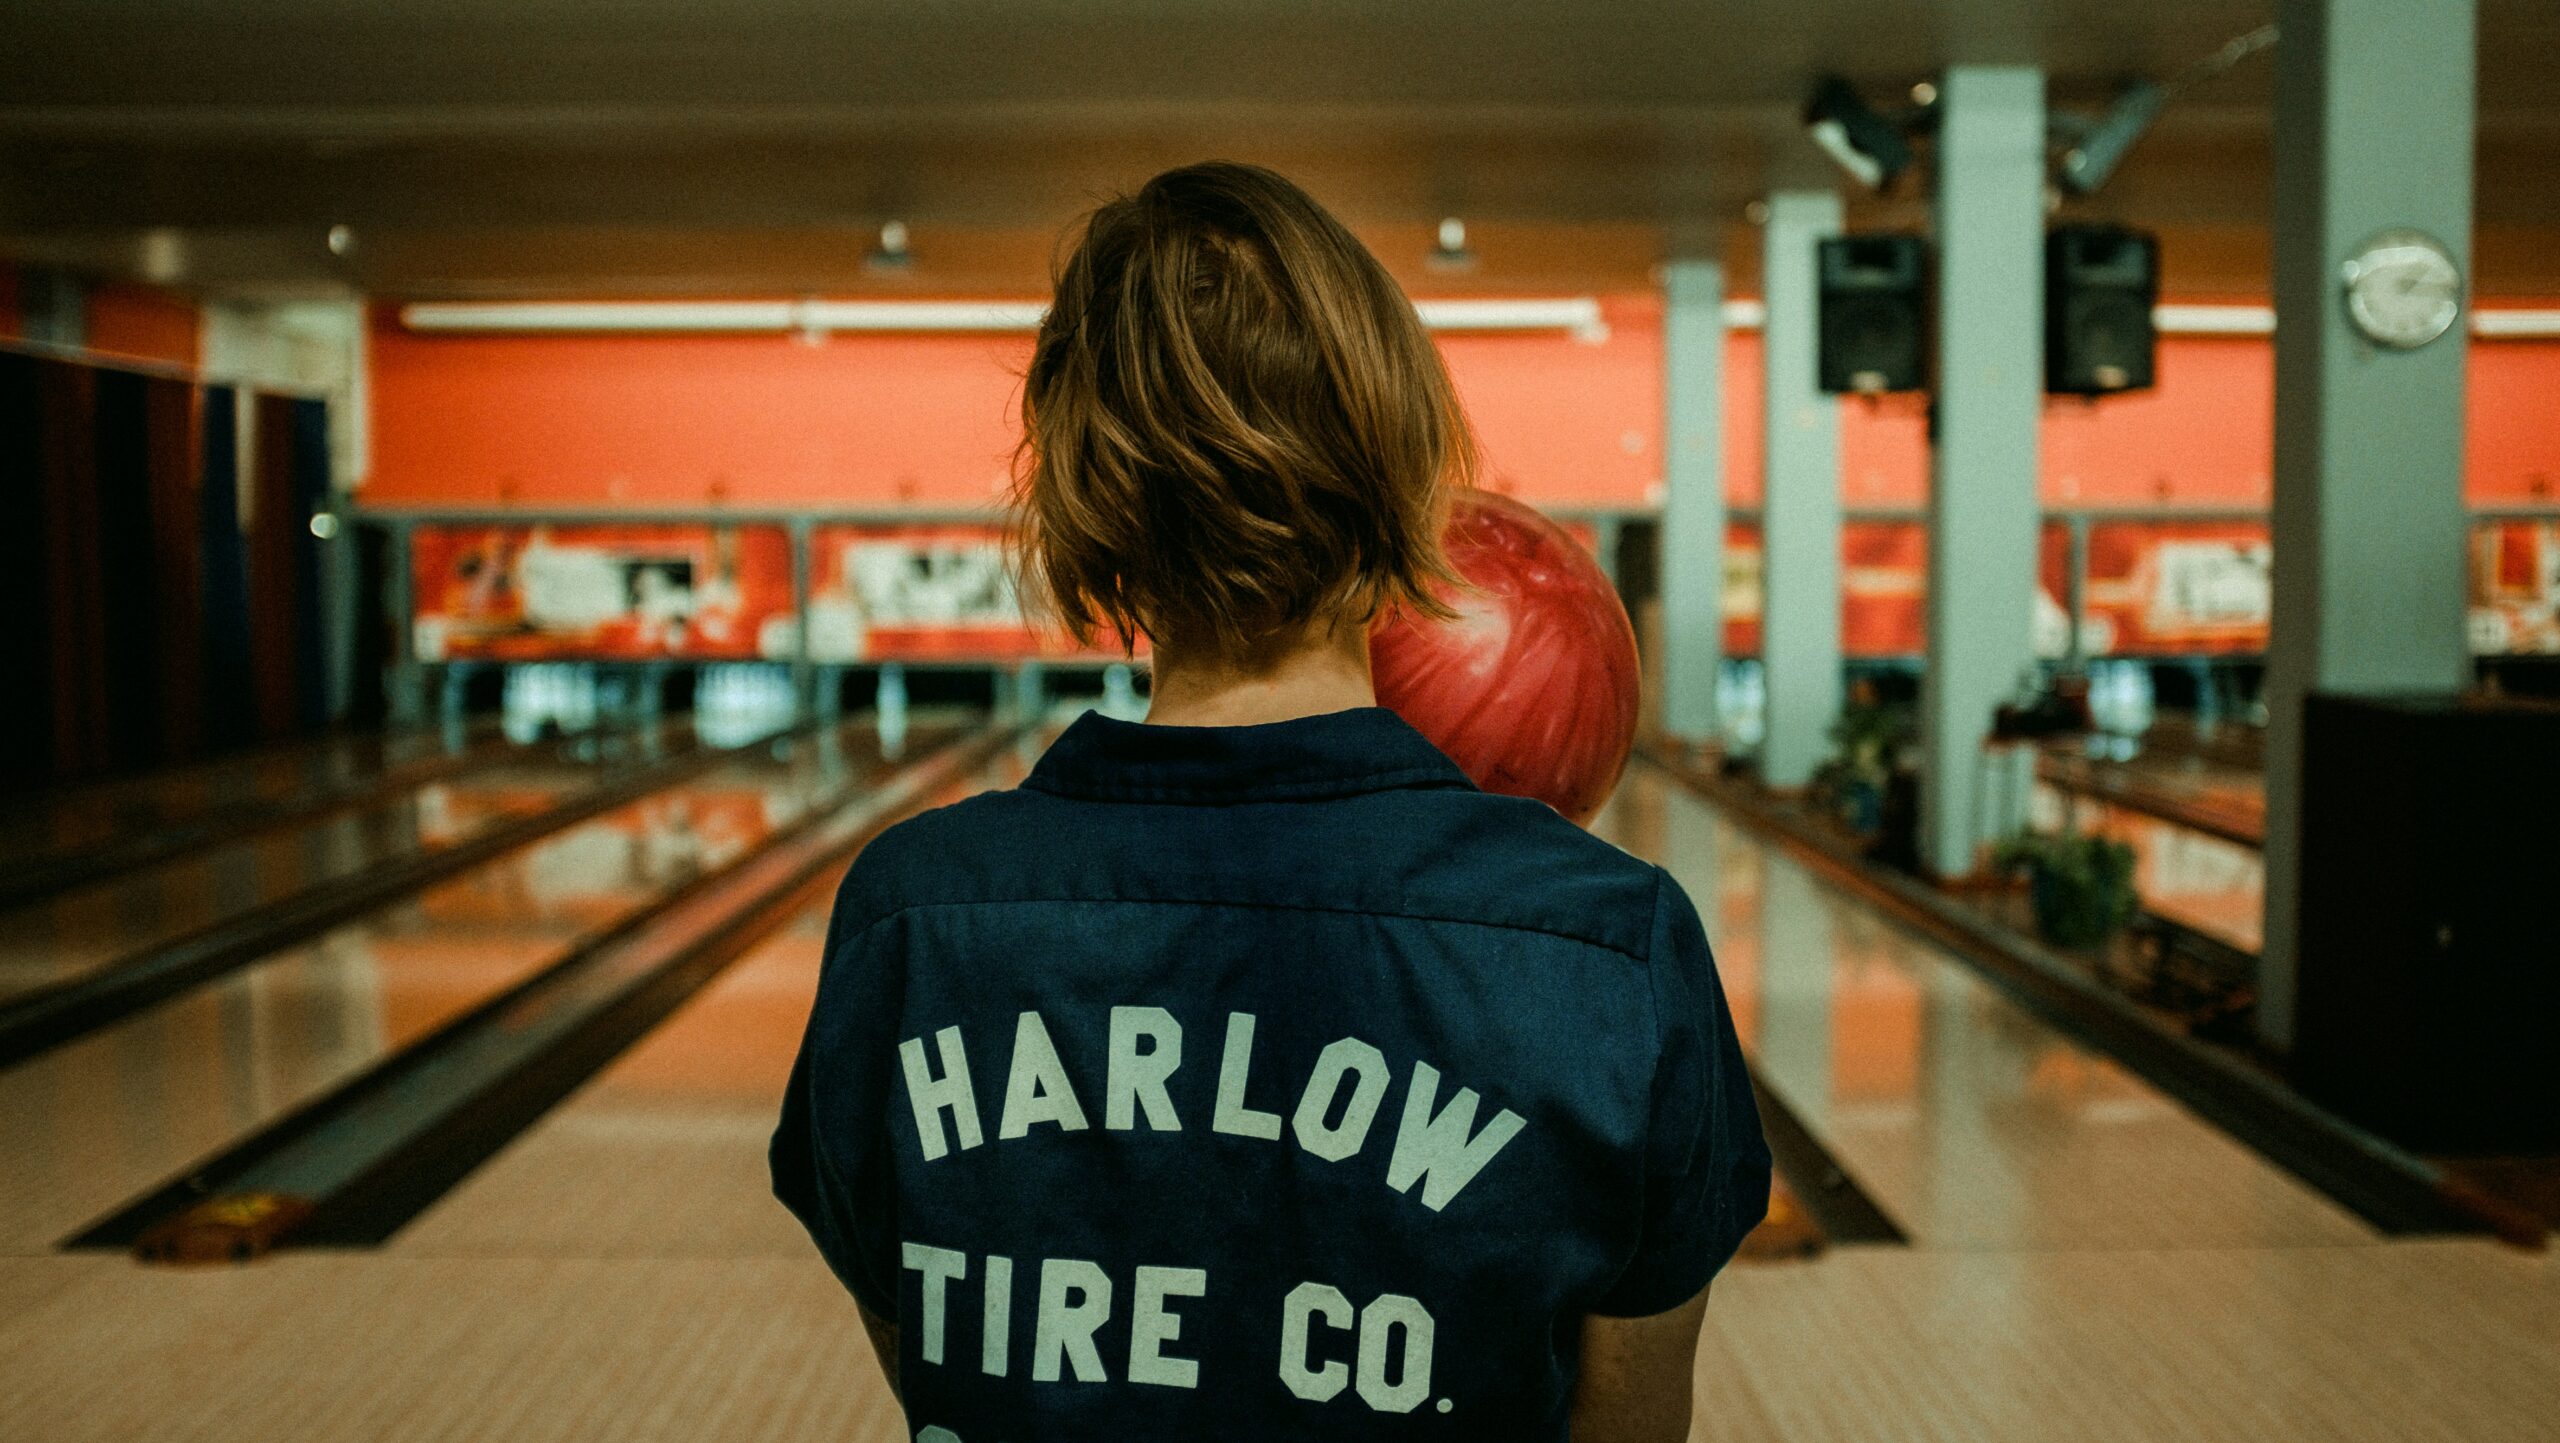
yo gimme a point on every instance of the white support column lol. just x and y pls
(1693, 517)
(1800, 505)
(2375, 105)
(1982, 492)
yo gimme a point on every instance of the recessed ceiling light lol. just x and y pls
(890, 253)
(162, 256)
(1450, 252)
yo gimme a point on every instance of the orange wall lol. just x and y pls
(690, 421)
(144, 323)
(869, 421)
(878, 421)
(2513, 438)
(2204, 435)
(1567, 422)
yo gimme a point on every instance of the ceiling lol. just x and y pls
(504, 146)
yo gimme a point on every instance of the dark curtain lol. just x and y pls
(127, 591)
(369, 703)
(276, 599)
(309, 464)
(176, 480)
(141, 625)
(26, 615)
(230, 705)
(74, 595)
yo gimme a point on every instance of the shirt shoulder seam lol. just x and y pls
(1336, 786)
(1641, 956)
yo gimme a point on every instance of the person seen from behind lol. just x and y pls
(1247, 1073)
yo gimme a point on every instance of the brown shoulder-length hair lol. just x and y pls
(1234, 424)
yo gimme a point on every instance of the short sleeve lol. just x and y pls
(1706, 1165)
(830, 1153)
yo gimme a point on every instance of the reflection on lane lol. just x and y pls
(663, 1153)
(51, 941)
(1972, 1122)
(105, 1117)
(2195, 879)
(75, 818)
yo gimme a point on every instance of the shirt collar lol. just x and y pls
(1335, 754)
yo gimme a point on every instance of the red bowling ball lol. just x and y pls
(1532, 687)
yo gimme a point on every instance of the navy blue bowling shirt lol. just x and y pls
(1261, 1082)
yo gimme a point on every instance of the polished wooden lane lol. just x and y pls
(663, 1154)
(105, 1117)
(2216, 797)
(1971, 1121)
(78, 932)
(42, 825)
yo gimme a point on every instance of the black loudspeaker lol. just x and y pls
(1875, 318)
(2100, 283)
(2429, 956)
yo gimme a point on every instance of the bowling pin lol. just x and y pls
(891, 704)
(1120, 694)
(517, 714)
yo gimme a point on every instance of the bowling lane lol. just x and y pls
(663, 1153)
(74, 819)
(100, 1120)
(2223, 798)
(1972, 1122)
(58, 938)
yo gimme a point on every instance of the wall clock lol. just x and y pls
(2402, 289)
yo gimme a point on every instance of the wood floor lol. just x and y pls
(2405, 1341)
(2088, 1261)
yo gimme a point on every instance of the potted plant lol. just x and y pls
(2080, 887)
(1867, 743)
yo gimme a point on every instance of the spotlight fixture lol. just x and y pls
(890, 252)
(2088, 162)
(1449, 252)
(2093, 147)
(342, 241)
(161, 255)
(1866, 145)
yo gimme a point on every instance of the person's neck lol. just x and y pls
(1320, 670)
